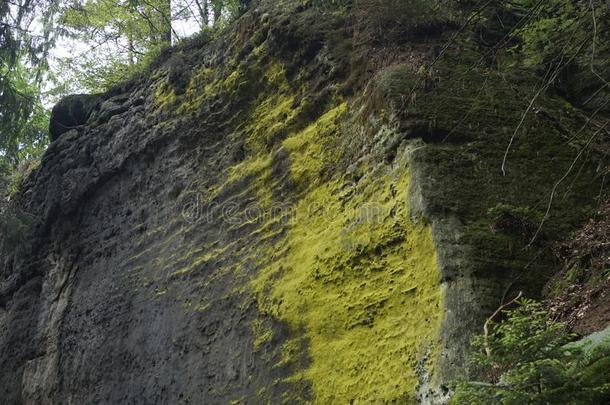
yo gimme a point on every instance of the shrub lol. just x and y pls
(526, 358)
(23, 170)
(15, 224)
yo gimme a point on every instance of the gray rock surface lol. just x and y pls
(96, 308)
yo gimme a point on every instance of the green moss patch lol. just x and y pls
(355, 277)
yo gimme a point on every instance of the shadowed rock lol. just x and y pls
(71, 112)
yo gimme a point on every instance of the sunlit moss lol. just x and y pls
(352, 275)
(262, 333)
(272, 114)
(164, 95)
(202, 85)
(358, 279)
(309, 148)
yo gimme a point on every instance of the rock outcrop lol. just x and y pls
(283, 214)
(70, 113)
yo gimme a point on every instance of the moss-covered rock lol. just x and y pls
(287, 214)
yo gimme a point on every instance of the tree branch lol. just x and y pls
(491, 318)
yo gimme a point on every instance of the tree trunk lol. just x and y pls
(167, 15)
(204, 12)
(130, 47)
(217, 10)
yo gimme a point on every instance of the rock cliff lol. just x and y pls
(286, 213)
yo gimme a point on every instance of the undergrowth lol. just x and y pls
(529, 358)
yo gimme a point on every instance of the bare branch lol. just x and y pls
(561, 180)
(491, 318)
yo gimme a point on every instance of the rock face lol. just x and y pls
(71, 112)
(274, 216)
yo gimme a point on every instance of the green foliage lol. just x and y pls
(120, 39)
(116, 39)
(133, 25)
(23, 170)
(23, 119)
(526, 358)
(26, 35)
(526, 334)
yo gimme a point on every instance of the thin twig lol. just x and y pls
(558, 183)
(491, 318)
(533, 100)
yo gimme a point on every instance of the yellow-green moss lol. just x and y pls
(355, 279)
(271, 115)
(164, 95)
(202, 85)
(262, 333)
(309, 148)
(359, 278)
(255, 166)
